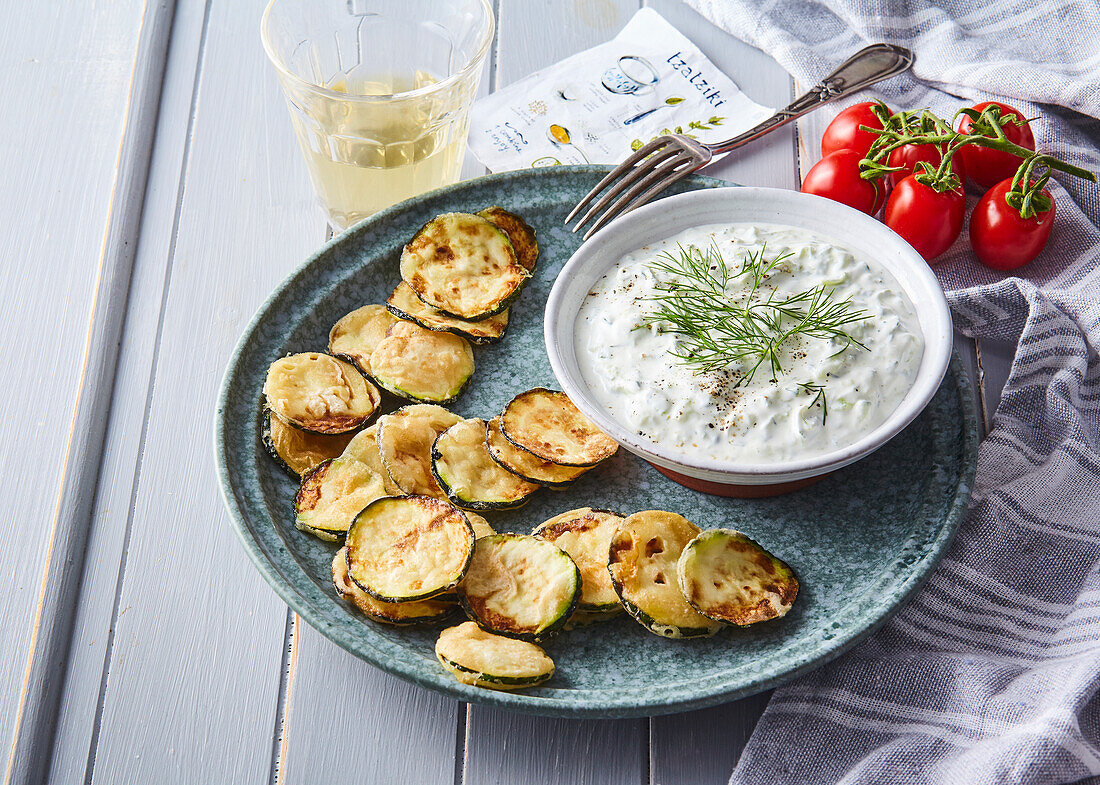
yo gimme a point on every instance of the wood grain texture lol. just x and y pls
(106, 544)
(193, 678)
(65, 89)
(509, 748)
(343, 713)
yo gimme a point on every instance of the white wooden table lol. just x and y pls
(152, 196)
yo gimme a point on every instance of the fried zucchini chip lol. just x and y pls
(642, 561)
(520, 586)
(464, 266)
(481, 659)
(396, 613)
(470, 478)
(585, 534)
(548, 425)
(332, 495)
(405, 305)
(298, 451)
(355, 336)
(523, 464)
(405, 548)
(521, 235)
(319, 393)
(728, 577)
(405, 440)
(364, 447)
(422, 365)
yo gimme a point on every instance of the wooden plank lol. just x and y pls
(508, 748)
(86, 672)
(193, 679)
(349, 722)
(504, 749)
(65, 90)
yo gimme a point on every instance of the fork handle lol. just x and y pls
(863, 69)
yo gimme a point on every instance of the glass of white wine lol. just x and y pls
(379, 93)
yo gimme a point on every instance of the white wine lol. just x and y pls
(364, 156)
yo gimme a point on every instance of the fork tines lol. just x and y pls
(647, 172)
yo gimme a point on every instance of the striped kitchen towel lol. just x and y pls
(990, 675)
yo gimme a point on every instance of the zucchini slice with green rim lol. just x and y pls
(728, 577)
(518, 231)
(523, 464)
(354, 337)
(548, 425)
(642, 562)
(298, 451)
(320, 393)
(481, 527)
(364, 447)
(396, 613)
(463, 265)
(422, 365)
(482, 659)
(332, 495)
(404, 548)
(405, 305)
(585, 534)
(520, 586)
(470, 478)
(405, 441)
(584, 618)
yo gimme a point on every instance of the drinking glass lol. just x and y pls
(379, 93)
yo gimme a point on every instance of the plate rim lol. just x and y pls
(919, 571)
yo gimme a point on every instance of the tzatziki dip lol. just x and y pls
(748, 343)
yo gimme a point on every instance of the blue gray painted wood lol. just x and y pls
(182, 663)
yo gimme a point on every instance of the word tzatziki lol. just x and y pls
(748, 343)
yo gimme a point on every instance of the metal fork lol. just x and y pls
(657, 165)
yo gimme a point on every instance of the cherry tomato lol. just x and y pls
(988, 167)
(836, 177)
(909, 155)
(1001, 238)
(843, 132)
(927, 220)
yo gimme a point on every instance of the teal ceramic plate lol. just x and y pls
(862, 540)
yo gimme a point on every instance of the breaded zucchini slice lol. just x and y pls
(481, 527)
(520, 586)
(355, 336)
(463, 265)
(584, 618)
(642, 562)
(404, 548)
(728, 577)
(518, 231)
(397, 613)
(405, 441)
(319, 393)
(548, 425)
(332, 495)
(300, 451)
(482, 659)
(470, 478)
(405, 305)
(364, 447)
(585, 534)
(422, 365)
(523, 464)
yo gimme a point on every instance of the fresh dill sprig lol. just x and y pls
(819, 398)
(720, 328)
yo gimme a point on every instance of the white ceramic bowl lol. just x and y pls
(837, 223)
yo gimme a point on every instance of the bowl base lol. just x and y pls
(738, 491)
